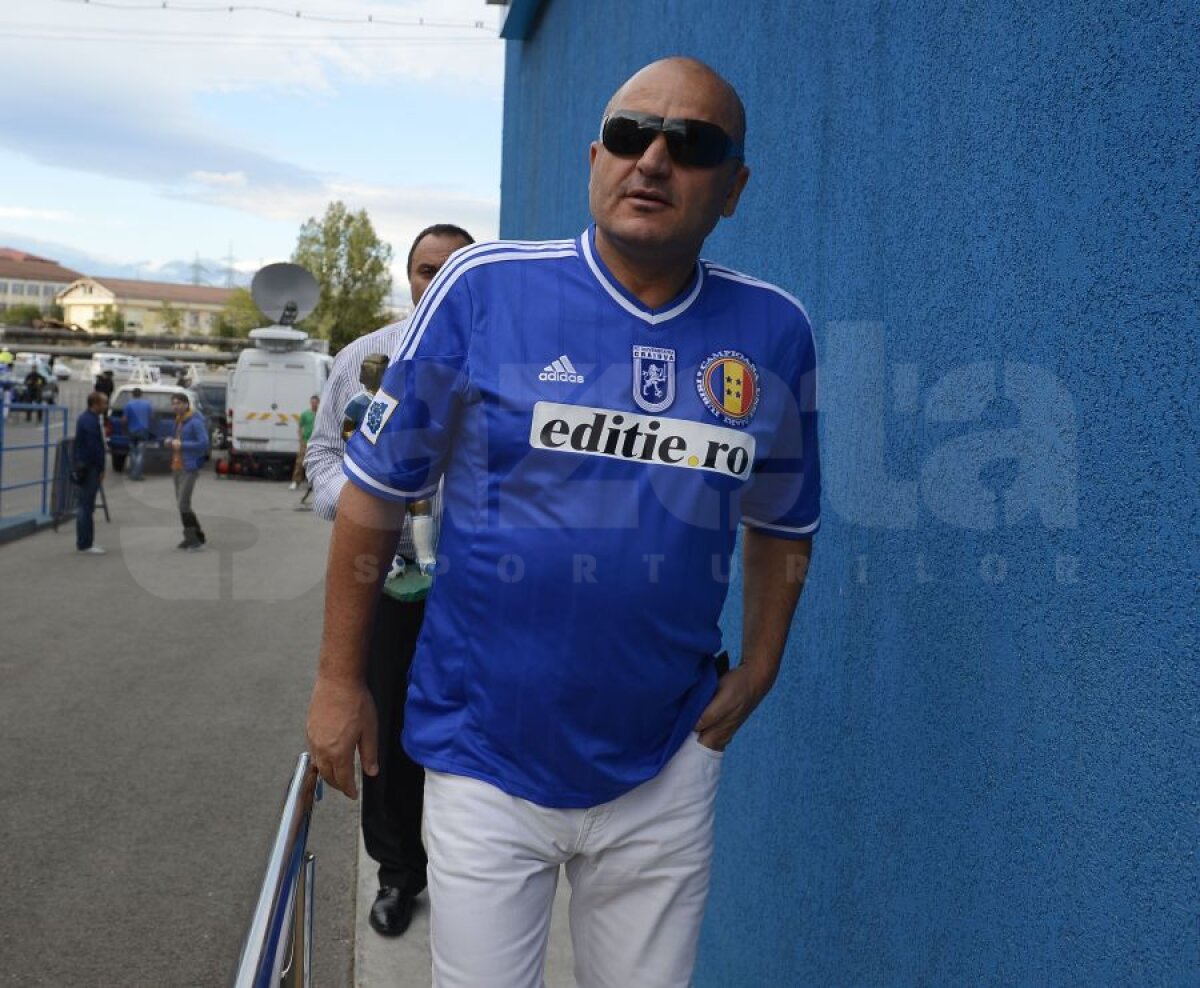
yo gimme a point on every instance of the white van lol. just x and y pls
(271, 385)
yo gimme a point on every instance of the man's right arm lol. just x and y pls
(341, 715)
(79, 454)
(323, 456)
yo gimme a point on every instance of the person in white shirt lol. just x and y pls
(392, 799)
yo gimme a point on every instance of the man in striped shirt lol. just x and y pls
(392, 799)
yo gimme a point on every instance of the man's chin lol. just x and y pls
(645, 232)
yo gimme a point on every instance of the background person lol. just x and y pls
(88, 463)
(138, 415)
(605, 412)
(6, 378)
(35, 383)
(308, 418)
(190, 453)
(392, 798)
(104, 383)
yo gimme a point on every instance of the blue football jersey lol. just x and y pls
(597, 458)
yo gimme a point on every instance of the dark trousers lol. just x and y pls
(393, 799)
(84, 529)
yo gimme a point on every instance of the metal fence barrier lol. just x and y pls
(277, 950)
(21, 468)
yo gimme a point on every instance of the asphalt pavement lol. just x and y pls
(152, 706)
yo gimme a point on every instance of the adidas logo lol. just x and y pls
(561, 370)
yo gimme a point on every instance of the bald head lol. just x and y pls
(725, 105)
(657, 196)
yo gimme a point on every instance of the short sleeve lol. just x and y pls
(400, 451)
(784, 496)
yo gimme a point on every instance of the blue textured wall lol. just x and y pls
(980, 763)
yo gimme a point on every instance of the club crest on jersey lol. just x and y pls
(377, 414)
(728, 386)
(653, 378)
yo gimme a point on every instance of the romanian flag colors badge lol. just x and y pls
(728, 385)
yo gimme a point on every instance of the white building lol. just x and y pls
(26, 279)
(147, 307)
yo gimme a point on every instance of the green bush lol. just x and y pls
(20, 315)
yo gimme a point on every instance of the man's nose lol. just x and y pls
(656, 159)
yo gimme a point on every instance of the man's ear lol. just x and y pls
(740, 178)
(593, 151)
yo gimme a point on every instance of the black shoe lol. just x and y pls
(190, 545)
(392, 912)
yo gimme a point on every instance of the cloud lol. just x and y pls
(180, 50)
(124, 95)
(384, 203)
(146, 137)
(112, 91)
(398, 213)
(37, 215)
(220, 179)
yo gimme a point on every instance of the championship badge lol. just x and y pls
(653, 378)
(728, 386)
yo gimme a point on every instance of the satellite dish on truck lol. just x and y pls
(276, 377)
(285, 292)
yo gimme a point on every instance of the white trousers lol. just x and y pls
(638, 868)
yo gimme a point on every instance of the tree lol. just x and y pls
(109, 318)
(240, 315)
(21, 315)
(350, 264)
(171, 318)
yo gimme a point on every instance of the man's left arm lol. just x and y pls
(194, 438)
(773, 572)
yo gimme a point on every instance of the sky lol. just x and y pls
(138, 135)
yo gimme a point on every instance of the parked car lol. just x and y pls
(61, 369)
(214, 392)
(162, 423)
(121, 364)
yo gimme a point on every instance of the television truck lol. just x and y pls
(274, 379)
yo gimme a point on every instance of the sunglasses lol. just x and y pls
(694, 143)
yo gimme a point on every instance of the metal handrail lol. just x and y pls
(46, 424)
(278, 945)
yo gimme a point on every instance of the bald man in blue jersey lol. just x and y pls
(605, 414)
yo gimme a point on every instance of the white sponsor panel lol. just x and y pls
(651, 439)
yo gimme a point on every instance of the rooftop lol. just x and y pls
(18, 264)
(164, 291)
